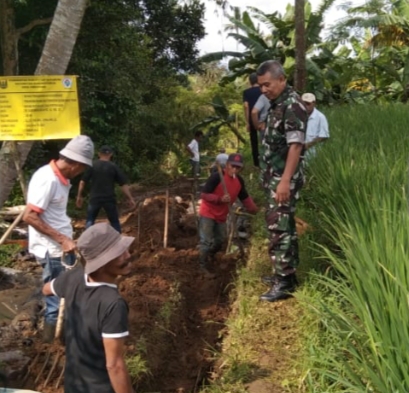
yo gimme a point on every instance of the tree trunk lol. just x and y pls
(54, 60)
(8, 38)
(300, 77)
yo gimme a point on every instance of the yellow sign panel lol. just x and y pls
(38, 107)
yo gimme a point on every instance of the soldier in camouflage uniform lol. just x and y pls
(281, 176)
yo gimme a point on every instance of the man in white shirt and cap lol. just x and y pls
(50, 230)
(317, 128)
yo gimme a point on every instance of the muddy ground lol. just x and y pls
(176, 315)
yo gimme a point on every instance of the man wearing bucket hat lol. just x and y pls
(50, 230)
(217, 194)
(96, 316)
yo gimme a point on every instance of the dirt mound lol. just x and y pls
(147, 223)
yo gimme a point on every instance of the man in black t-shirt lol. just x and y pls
(250, 97)
(103, 176)
(96, 316)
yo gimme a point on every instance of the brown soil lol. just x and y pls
(176, 315)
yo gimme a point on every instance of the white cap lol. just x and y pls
(79, 149)
(308, 97)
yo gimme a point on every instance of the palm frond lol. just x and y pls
(249, 43)
(216, 56)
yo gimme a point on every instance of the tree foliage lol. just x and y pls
(129, 78)
(173, 29)
(130, 58)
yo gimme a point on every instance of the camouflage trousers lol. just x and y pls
(280, 219)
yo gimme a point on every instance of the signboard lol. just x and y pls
(38, 107)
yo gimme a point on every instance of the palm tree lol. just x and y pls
(300, 49)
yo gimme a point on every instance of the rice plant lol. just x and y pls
(358, 192)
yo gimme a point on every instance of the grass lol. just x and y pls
(168, 309)
(137, 367)
(7, 253)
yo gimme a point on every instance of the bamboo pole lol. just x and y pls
(11, 227)
(165, 231)
(139, 223)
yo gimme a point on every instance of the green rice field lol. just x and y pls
(356, 301)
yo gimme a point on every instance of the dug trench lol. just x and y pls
(176, 315)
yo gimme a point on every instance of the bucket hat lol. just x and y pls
(79, 149)
(100, 244)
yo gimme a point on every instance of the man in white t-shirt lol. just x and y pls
(50, 229)
(193, 149)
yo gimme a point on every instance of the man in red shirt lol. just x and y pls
(215, 208)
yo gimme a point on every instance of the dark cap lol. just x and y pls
(236, 159)
(106, 149)
(101, 244)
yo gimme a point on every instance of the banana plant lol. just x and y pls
(279, 44)
(378, 32)
(222, 117)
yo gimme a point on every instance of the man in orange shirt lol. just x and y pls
(215, 208)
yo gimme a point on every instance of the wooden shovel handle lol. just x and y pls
(219, 169)
(60, 319)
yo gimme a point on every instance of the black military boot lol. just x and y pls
(282, 288)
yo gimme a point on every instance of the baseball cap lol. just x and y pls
(106, 149)
(79, 149)
(308, 97)
(100, 244)
(236, 159)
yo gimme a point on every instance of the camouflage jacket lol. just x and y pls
(286, 123)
